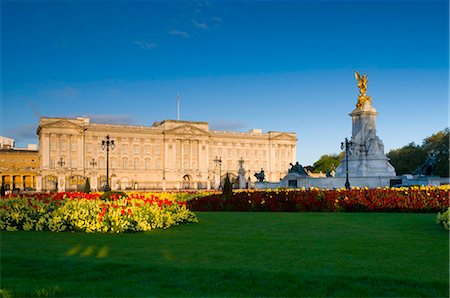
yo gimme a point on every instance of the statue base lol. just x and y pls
(366, 166)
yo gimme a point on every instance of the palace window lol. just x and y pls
(101, 163)
(136, 164)
(147, 164)
(147, 149)
(113, 163)
(125, 149)
(136, 149)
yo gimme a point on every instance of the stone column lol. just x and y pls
(38, 183)
(61, 182)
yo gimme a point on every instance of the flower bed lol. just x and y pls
(89, 213)
(415, 199)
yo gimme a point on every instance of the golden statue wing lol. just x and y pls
(357, 76)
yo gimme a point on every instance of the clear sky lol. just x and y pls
(274, 65)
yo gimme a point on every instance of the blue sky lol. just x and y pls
(274, 65)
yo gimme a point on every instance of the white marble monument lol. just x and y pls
(366, 152)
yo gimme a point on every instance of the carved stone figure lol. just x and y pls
(428, 167)
(297, 168)
(373, 143)
(260, 176)
(362, 85)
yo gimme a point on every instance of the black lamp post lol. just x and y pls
(346, 145)
(106, 144)
(218, 161)
(61, 162)
(93, 163)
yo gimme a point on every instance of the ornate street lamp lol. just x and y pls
(218, 161)
(106, 144)
(61, 162)
(93, 163)
(346, 145)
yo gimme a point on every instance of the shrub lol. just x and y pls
(87, 186)
(444, 219)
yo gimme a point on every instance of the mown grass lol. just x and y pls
(238, 254)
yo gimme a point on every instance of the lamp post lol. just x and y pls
(93, 163)
(218, 161)
(61, 162)
(106, 144)
(346, 145)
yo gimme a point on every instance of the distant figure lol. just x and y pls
(260, 176)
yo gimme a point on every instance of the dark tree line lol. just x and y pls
(408, 158)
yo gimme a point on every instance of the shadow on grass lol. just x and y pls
(81, 278)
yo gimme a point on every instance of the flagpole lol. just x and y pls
(178, 107)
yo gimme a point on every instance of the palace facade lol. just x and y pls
(18, 166)
(170, 154)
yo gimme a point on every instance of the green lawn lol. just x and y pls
(238, 254)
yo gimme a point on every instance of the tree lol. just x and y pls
(227, 189)
(87, 186)
(438, 144)
(406, 159)
(327, 163)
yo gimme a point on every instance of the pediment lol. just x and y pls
(61, 124)
(284, 136)
(187, 130)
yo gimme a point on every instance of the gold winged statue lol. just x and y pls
(362, 85)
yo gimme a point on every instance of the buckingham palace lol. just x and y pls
(169, 155)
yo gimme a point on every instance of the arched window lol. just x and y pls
(113, 163)
(101, 163)
(124, 163)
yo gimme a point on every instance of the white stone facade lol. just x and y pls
(366, 153)
(168, 155)
(6, 143)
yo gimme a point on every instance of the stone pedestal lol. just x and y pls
(61, 183)
(94, 182)
(366, 154)
(242, 181)
(38, 183)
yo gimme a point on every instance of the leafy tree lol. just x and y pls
(406, 159)
(438, 144)
(87, 186)
(327, 163)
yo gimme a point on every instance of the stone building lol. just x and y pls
(18, 166)
(170, 154)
